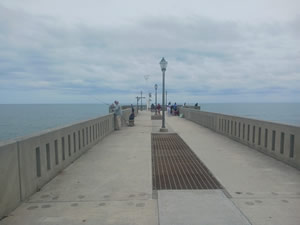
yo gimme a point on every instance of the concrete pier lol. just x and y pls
(111, 183)
(264, 189)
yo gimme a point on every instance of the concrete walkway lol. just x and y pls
(264, 189)
(111, 184)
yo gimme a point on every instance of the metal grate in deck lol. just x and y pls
(176, 166)
(156, 117)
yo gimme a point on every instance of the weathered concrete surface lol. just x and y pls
(9, 178)
(277, 140)
(79, 143)
(156, 126)
(28, 163)
(198, 207)
(109, 184)
(90, 213)
(265, 189)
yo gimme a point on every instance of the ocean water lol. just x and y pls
(285, 113)
(22, 120)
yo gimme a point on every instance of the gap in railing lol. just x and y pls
(69, 144)
(63, 148)
(282, 142)
(83, 138)
(56, 152)
(74, 141)
(266, 138)
(48, 156)
(292, 143)
(79, 144)
(259, 136)
(273, 140)
(38, 161)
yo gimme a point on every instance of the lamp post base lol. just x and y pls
(163, 130)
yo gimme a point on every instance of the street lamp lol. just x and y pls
(155, 86)
(141, 100)
(167, 97)
(146, 81)
(163, 65)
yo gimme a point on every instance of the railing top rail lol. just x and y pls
(46, 131)
(245, 118)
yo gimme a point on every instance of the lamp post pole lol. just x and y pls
(137, 104)
(163, 101)
(155, 86)
(141, 100)
(166, 97)
(163, 64)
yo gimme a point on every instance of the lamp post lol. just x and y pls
(137, 104)
(155, 86)
(146, 81)
(166, 97)
(141, 100)
(163, 65)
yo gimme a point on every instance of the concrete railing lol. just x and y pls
(277, 140)
(27, 164)
(191, 107)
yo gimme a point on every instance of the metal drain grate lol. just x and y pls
(156, 117)
(176, 166)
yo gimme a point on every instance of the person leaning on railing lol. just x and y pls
(117, 113)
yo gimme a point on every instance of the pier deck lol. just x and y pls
(112, 184)
(266, 190)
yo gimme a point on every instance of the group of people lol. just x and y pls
(172, 109)
(116, 109)
(156, 108)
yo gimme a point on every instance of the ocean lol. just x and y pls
(27, 119)
(286, 113)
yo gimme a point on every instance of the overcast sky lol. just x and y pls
(92, 51)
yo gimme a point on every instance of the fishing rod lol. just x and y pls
(101, 101)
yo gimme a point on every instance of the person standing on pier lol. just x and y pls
(169, 108)
(117, 113)
(132, 109)
(158, 108)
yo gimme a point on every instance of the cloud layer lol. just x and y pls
(44, 59)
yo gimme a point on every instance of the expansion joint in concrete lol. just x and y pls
(113, 200)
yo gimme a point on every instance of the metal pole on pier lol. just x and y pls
(155, 86)
(166, 97)
(137, 104)
(141, 100)
(163, 64)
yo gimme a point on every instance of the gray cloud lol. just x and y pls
(42, 54)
